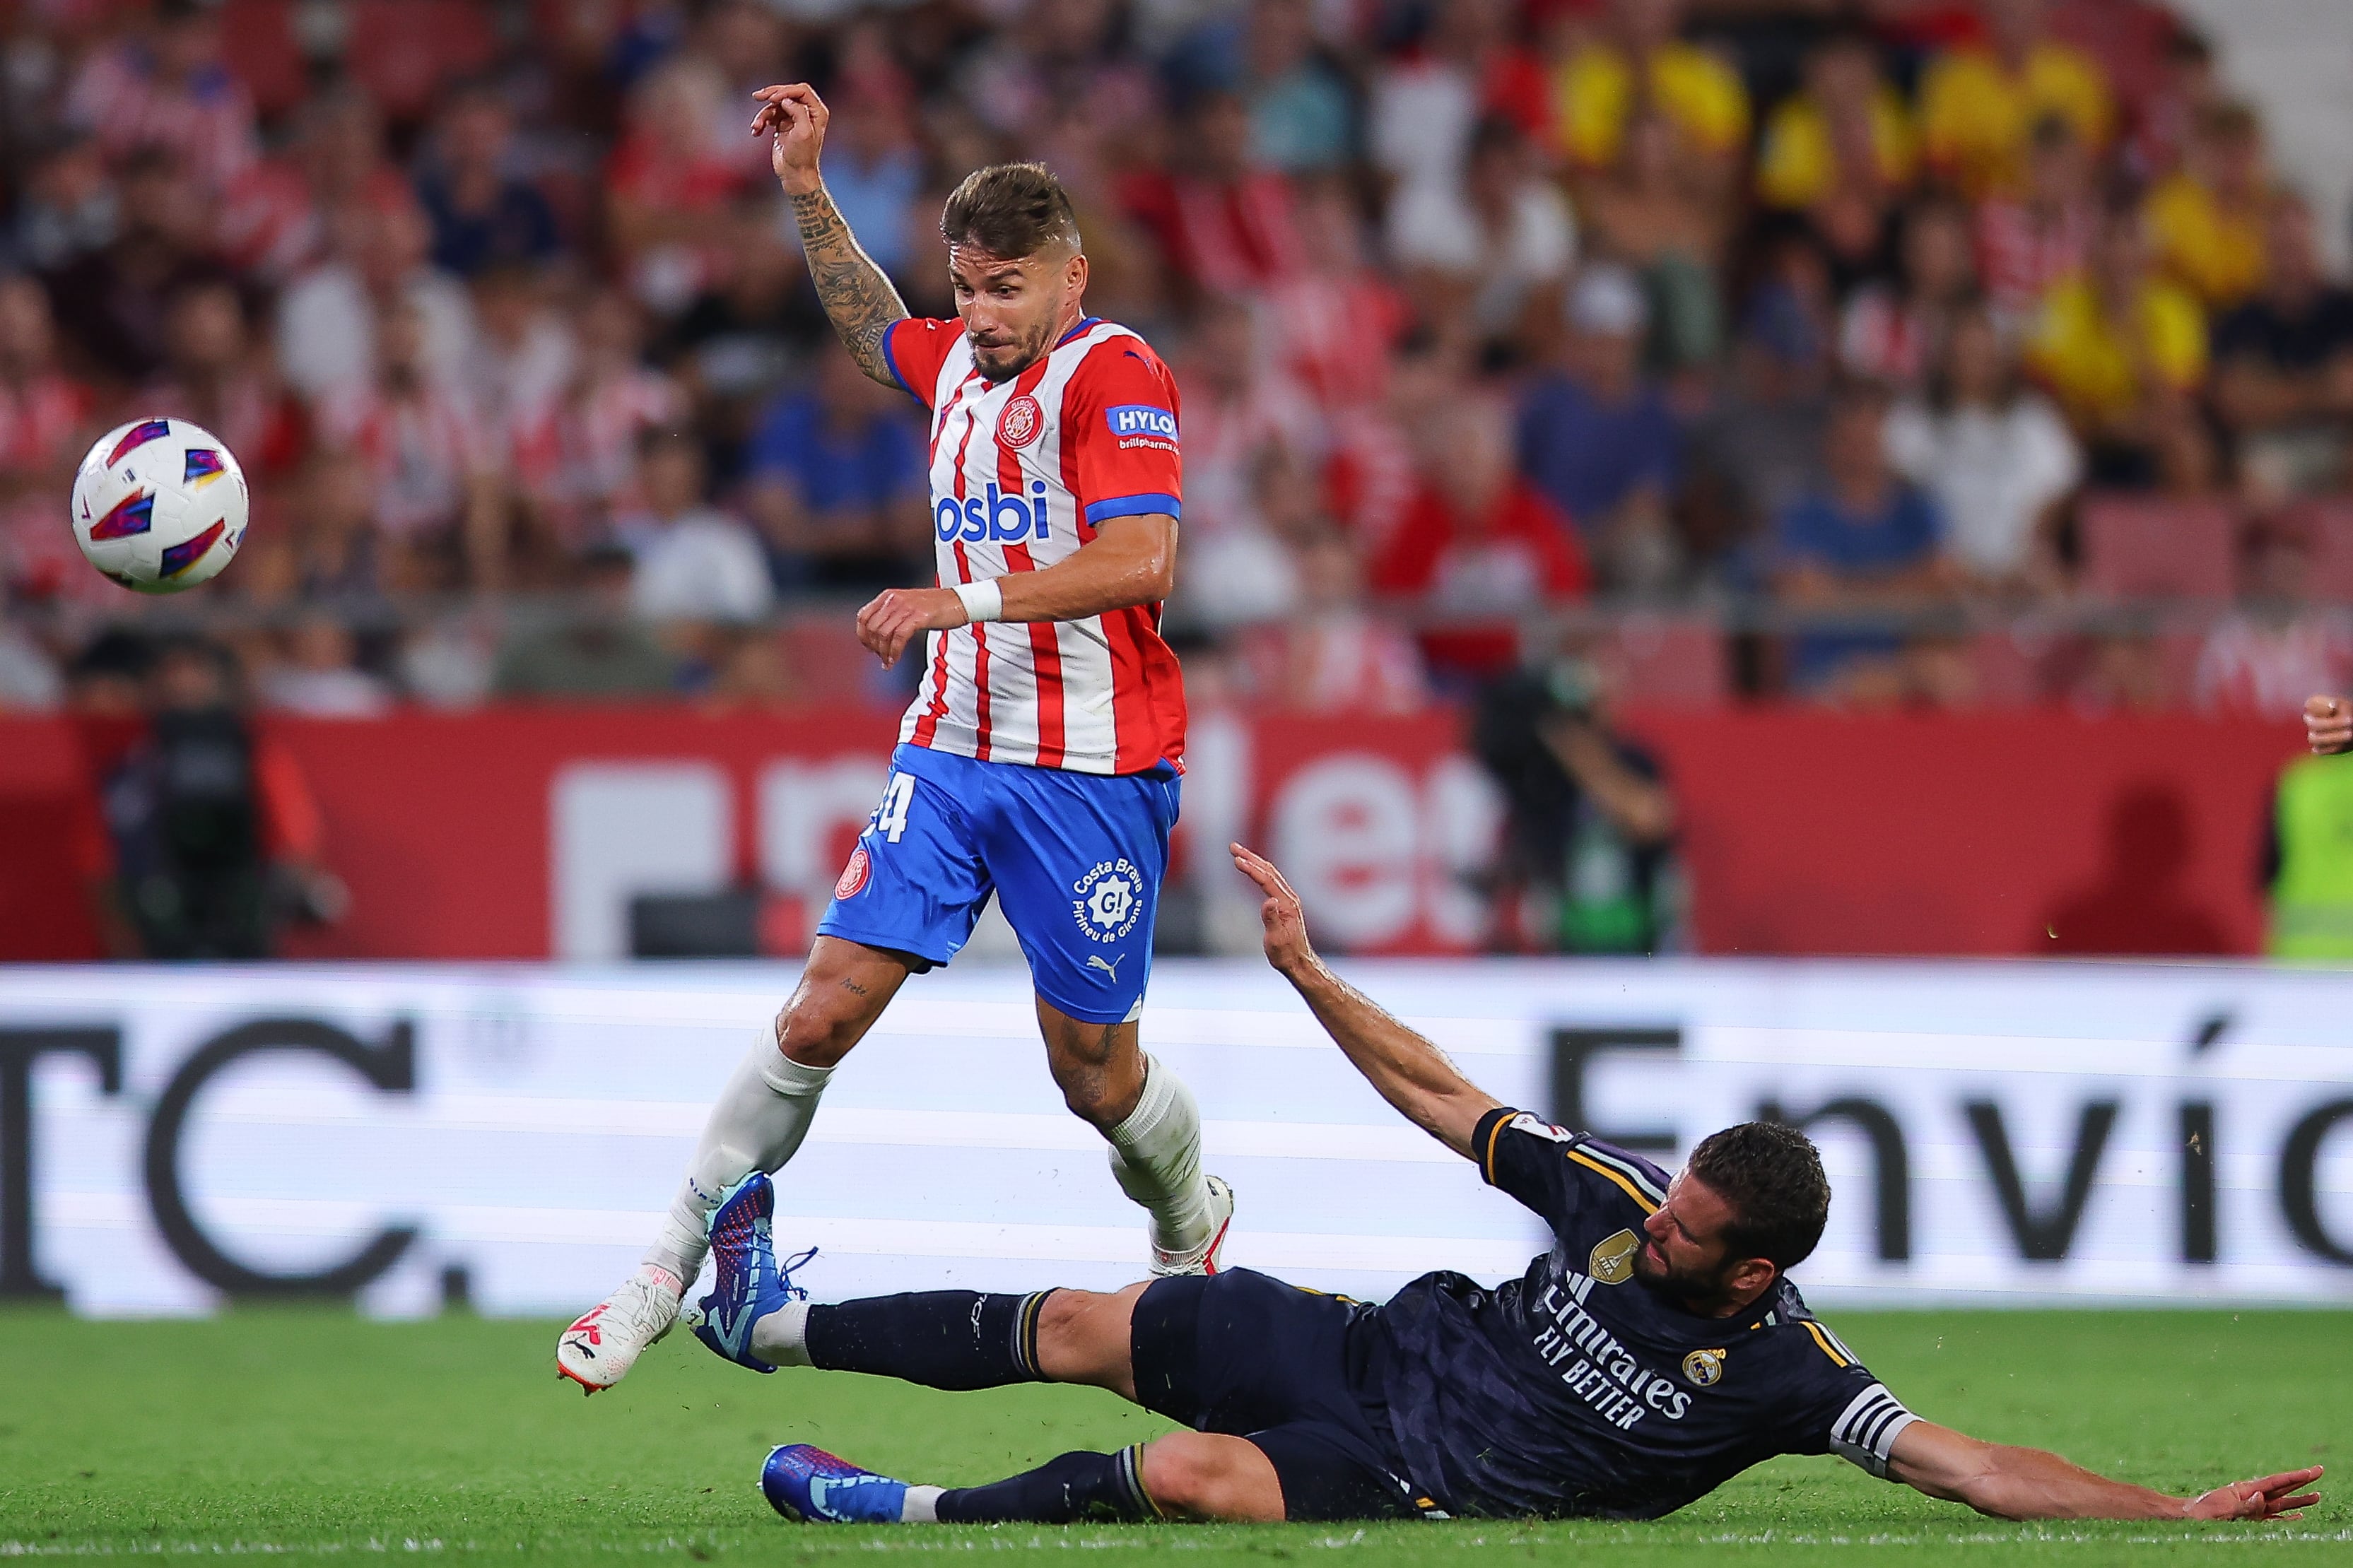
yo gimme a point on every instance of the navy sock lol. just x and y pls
(1108, 1487)
(943, 1338)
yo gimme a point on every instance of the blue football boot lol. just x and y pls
(749, 1284)
(804, 1482)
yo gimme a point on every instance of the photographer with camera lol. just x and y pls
(209, 837)
(1588, 861)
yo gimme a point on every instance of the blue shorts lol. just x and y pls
(1076, 859)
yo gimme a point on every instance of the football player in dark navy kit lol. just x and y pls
(1655, 1351)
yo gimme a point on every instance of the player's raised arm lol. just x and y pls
(1410, 1073)
(2329, 724)
(858, 296)
(2027, 1483)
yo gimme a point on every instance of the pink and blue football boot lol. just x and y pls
(804, 1483)
(749, 1284)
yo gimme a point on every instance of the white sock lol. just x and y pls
(1156, 1156)
(781, 1338)
(761, 1118)
(922, 1507)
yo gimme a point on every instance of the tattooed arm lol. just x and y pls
(858, 298)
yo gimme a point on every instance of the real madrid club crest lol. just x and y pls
(1612, 1260)
(1705, 1368)
(1021, 421)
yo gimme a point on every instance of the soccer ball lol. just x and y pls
(159, 505)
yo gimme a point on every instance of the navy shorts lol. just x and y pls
(1295, 1372)
(1076, 861)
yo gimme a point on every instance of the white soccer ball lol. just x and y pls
(159, 505)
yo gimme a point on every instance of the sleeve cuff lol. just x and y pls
(1485, 1137)
(893, 360)
(1135, 506)
(1866, 1432)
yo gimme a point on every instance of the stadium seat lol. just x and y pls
(2329, 525)
(2012, 667)
(257, 39)
(2177, 664)
(403, 51)
(2138, 547)
(1656, 661)
(827, 661)
(2128, 37)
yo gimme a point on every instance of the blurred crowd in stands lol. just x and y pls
(1873, 352)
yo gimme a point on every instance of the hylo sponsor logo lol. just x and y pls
(1142, 419)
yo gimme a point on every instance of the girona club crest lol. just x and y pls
(854, 875)
(1021, 422)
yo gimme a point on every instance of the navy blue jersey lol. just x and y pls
(1576, 1389)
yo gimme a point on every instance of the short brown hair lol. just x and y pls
(1772, 1177)
(1010, 210)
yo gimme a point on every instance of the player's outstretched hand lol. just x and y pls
(2329, 724)
(893, 617)
(2273, 1496)
(1282, 916)
(793, 117)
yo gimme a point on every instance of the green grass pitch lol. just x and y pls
(313, 1433)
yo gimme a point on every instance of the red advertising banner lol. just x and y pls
(524, 832)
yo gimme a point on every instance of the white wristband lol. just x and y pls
(983, 601)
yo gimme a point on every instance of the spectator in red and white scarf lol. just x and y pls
(1894, 334)
(1331, 655)
(164, 84)
(2027, 244)
(45, 424)
(434, 466)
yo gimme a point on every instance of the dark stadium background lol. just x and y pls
(1386, 245)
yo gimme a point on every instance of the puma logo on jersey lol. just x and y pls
(1109, 966)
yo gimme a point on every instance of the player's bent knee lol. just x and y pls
(1098, 1068)
(816, 1029)
(1207, 1475)
(1085, 1336)
(841, 992)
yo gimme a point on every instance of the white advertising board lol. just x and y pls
(1995, 1134)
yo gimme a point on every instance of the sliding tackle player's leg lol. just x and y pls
(1260, 1370)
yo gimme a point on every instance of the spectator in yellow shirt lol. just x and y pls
(2123, 349)
(1845, 130)
(1638, 55)
(2207, 218)
(1978, 105)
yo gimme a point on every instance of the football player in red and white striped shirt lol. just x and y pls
(1040, 761)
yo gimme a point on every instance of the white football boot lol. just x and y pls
(598, 1350)
(1210, 1258)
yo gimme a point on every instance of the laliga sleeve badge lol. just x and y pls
(853, 876)
(1705, 1368)
(1021, 422)
(1612, 1260)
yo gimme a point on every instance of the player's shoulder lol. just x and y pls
(1109, 351)
(1602, 1165)
(1782, 1322)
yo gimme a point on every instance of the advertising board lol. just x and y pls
(1995, 1133)
(526, 833)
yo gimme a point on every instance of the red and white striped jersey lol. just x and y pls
(1022, 473)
